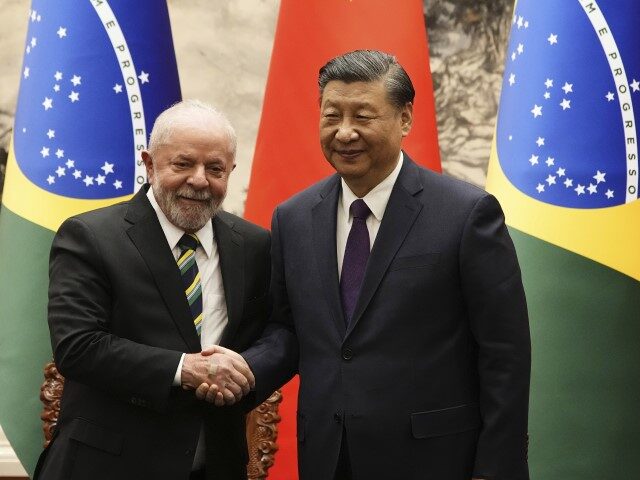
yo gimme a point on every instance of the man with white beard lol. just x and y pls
(139, 294)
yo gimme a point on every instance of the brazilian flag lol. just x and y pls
(95, 76)
(565, 168)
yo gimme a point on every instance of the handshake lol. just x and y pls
(218, 375)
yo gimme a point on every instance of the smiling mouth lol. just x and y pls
(349, 154)
(194, 200)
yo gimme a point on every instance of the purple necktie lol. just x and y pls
(356, 255)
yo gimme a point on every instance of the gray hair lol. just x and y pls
(370, 66)
(188, 112)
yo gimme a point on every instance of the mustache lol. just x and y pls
(192, 194)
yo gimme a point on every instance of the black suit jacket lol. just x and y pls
(119, 323)
(431, 378)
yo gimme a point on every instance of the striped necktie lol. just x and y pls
(191, 277)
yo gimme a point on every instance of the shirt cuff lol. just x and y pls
(177, 379)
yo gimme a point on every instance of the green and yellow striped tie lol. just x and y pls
(191, 277)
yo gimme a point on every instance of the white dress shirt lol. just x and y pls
(214, 305)
(376, 200)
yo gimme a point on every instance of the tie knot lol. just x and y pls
(359, 209)
(189, 242)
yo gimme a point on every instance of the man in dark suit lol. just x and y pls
(128, 323)
(399, 301)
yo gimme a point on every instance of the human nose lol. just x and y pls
(346, 133)
(198, 179)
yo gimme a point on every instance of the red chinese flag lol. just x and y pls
(288, 156)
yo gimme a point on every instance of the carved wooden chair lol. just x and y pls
(262, 423)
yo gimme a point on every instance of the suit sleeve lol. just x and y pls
(80, 309)
(273, 359)
(494, 294)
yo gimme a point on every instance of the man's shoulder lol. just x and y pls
(241, 225)
(101, 215)
(446, 186)
(312, 194)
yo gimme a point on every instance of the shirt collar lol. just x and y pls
(378, 197)
(174, 234)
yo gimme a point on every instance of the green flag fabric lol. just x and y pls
(564, 166)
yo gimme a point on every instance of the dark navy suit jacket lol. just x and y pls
(431, 378)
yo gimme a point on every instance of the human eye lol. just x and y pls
(180, 163)
(330, 115)
(216, 169)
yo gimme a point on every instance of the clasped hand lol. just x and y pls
(218, 375)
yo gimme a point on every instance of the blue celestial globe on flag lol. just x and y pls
(566, 131)
(95, 77)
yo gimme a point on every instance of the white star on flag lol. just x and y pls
(59, 153)
(88, 180)
(60, 171)
(144, 77)
(540, 188)
(48, 103)
(117, 184)
(520, 48)
(74, 96)
(513, 56)
(56, 88)
(635, 85)
(117, 88)
(599, 176)
(553, 39)
(548, 83)
(592, 189)
(540, 141)
(565, 104)
(551, 180)
(51, 179)
(26, 72)
(77, 174)
(579, 189)
(57, 76)
(533, 160)
(100, 179)
(568, 183)
(520, 22)
(44, 152)
(107, 168)
(76, 80)
(512, 79)
(609, 193)
(34, 41)
(567, 87)
(536, 110)
(547, 95)
(550, 162)
(70, 163)
(51, 134)
(62, 32)
(560, 172)
(33, 16)
(609, 96)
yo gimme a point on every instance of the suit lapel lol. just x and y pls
(231, 250)
(324, 242)
(401, 212)
(147, 235)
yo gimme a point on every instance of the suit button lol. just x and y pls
(347, 354)
(337, 417)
